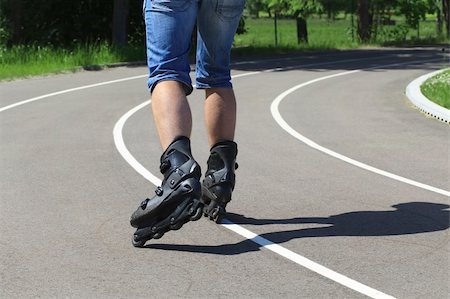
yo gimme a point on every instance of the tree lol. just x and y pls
(16, 10)
(120, 22)
(365, 20)
(300, 10)
(446, 12)
(414, 11)
(332, 7)
(65, 23)
(255, 6)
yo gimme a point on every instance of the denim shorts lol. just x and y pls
(169, 26)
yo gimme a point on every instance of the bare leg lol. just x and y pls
(171, 112)
(220, 114)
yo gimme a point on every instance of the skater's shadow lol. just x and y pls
(404, 219)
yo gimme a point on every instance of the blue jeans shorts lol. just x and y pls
(169, 26)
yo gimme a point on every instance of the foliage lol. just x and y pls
(336, 34)
(254, 7)
(372, 15)
(4, 33)
(62, 22)
(377, 13)
(396, 33)
(294, 7)
(241, 27)
(414, 11)
(333, 7)
(26, 60)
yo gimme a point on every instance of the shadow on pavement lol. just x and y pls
(407, 218)
(348, 60)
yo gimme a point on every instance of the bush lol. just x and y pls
(396, 33)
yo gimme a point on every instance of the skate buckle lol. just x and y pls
(159, 191)
(215, 212)
(144, 203)
(165, 165)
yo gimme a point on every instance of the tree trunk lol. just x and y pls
(364, 20)
(446, 11)
(275, 27)
(120, 22)
(16, 7)
(302, 30)
(438, 20)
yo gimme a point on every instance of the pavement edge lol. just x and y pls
(423, 103)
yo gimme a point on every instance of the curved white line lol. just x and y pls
(120, 145)
(264, 243)
(305, 262)
(274, 108)
(298, 259)
(143, 76)
(123, 150)
(69, 90)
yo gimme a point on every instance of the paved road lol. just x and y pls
(67, 193)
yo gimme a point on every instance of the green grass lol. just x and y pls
(325, 34)
(22, 61)
(437, 89)
(321, 34)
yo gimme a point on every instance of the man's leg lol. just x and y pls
(171, 112)
(220, 120)
(220, 114)
(169, 26)
(217, 23)
(177, 200)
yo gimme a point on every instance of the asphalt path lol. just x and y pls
(342, 189)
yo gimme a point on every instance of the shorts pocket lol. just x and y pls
(170, 5)
(230, 9)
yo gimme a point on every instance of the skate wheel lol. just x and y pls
(158, 235)
(176, 226)
(138, 244)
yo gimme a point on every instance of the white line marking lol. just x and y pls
(304, 262)
(123, 150)
(274, 108)
(298, 259)
(146, 75)
(118, 140)
(69, 90)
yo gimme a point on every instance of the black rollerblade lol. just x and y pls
(219, 180)
(176, 202)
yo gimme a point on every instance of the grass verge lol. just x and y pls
(323, 34)
(437, 89)
(23, 61)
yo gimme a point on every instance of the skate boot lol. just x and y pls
(219, 180)
(176, 202)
